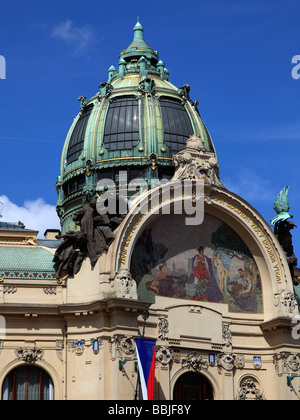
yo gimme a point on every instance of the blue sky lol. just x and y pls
(236, 55)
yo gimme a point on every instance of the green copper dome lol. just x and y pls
(136, 122)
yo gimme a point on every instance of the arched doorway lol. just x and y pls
(193, 386)
(27, 383)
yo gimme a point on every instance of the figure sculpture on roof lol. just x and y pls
(95, 236)
(70, 254)
(97, 228)
(282, 207)
(282, 227)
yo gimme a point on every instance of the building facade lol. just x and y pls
(189, 263)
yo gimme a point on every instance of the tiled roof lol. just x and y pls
(49, 243)
(13, 226)
(17, 262)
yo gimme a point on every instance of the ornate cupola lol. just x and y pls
(131, 128)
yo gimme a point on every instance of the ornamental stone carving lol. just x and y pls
(226, 334)
(29, 355)
(287, 299)
(125, 285)
(163, 355)
(248, 391)
(286, 363)
(50, 290)
(163, 327)
(195, 162)
(294, 362)
(226, 361)
(10, 289)
(120, 345)
(59, 349)
(194, 361)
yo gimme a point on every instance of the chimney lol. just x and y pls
(51, 234)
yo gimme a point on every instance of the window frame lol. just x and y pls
(76, 143)
(122, 124)
(10, 384)
(176, 122)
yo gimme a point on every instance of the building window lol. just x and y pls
(122, 124)
(78, 135)
(27, 383)
(176, 123)
(74, 185)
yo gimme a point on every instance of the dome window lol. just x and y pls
(176, 123)
(75, 185)
(122, 124)
(78, 135)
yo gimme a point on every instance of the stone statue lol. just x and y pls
(282, 228)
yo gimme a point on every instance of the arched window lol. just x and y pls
(193, 386)
(78, 135)
(122, 124)
(27, 383)
(176, 123)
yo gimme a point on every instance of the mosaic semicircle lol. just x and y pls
(207, 263)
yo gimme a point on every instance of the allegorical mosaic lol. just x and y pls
(208, 263)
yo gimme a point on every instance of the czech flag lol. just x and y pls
(145, 349)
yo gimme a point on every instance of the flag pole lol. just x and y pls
(145, 316)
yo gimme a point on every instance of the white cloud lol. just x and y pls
(78, 38)
(36, 214)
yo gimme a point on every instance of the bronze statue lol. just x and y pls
(282, 231)
(282, 228)
(70, 254)
(95, 236)
(90, 223)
